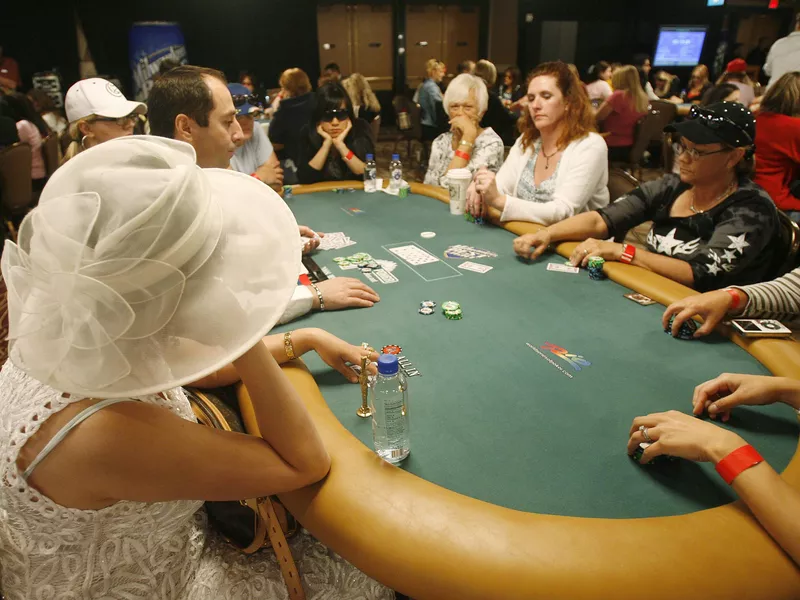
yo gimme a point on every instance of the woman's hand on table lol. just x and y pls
(532, 245)
(677, 434)
(475, 204)
(711, 307)
(336, 353)
(345, 292)
(486, 185)
(718, 396)
(592, 247)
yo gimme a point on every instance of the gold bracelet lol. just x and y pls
(466, 143)
(287, 345)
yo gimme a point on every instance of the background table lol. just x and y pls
(510, 445)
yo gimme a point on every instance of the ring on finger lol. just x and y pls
(586, 251)
(645, 433)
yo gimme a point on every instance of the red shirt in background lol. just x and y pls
(9, 71)
(621, 123)
(778, 157)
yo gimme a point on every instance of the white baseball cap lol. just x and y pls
(99, 97)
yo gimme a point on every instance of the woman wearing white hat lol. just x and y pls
(137, 273)
(98, 112)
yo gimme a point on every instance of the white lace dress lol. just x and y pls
(133, 550)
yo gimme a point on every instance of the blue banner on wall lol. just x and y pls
(149, 44)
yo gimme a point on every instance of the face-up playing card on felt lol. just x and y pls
(562, 268)
(475, 267)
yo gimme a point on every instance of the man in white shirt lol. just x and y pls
(784, 56)
(193, 105)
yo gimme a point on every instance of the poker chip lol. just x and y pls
(426, 310)
(373, 265)
(391, 349)
(366, 270)
(453, 315)
(686, 331)
(595, 268)
(428, 234)
(427, 304)
(339, 259)
(450, 305)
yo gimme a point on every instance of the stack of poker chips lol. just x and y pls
(477, 220)
(452, 310)
(362, 260)
(686, 331)
(426, 307)
(595, 267)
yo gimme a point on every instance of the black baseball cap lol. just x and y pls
(727, 123)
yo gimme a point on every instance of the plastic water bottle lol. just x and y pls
(390, 424)
(395, 173)
(370, 174)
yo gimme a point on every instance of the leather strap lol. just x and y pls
(268, 525)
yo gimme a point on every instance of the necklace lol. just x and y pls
(547, 158)
(728, 191)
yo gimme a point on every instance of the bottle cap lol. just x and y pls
(395, 157)
(387, 364)
(370, 156)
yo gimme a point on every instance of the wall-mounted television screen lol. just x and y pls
(715, 3)
(679, 46)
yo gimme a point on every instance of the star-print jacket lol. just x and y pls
(737, 242)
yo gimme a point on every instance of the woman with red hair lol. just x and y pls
(558, 167)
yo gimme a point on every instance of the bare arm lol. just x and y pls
(142, 452)
(602, 113)
(579, 227)
(318, 162)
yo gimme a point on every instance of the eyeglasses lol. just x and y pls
(721, 124)
(339, 114)
(121, 121)
(694, 153)
(241, 99)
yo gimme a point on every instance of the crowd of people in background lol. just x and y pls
(538, 148)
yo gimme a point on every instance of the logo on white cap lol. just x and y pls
(113, 90)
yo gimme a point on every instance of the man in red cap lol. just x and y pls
(736, 74)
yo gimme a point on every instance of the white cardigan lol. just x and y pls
(581, 182)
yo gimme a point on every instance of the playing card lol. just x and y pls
(413, 255)
(640, 299)
(475, 267)
(462, 251)
(335, 241)
(562, 268)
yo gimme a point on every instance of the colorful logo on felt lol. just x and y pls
(576, 361)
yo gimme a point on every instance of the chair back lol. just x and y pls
(620, 183)
(647, 127)
(375, 128)
(402, 105)
(666, 114)
(791, 234)
(16, 185)
(415, 112)
(50, 152)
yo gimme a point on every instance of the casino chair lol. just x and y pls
(16, 186)
(375, 128)
(409, 124)
(64, 141)
(620, 183)
(51, 154)
(791, 234)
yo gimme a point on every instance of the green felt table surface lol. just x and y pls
(490, 417)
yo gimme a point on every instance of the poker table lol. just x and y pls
(518, 484)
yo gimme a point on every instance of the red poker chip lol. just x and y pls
(391, 349)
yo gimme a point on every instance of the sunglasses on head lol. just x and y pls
(721, 124)
(339, 114)
(241, 99)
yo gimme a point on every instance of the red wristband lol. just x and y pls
(463, 155)
(349, 155)
(256, 176)
(737, 297)
(737, 461)
(628, 252)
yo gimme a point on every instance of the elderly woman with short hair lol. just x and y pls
(466, 145)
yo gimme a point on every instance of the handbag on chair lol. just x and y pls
(255, 523)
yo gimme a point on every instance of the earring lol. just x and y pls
(83, 142)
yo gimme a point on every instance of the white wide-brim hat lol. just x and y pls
(139, 271)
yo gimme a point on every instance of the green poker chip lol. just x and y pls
(450, 305)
